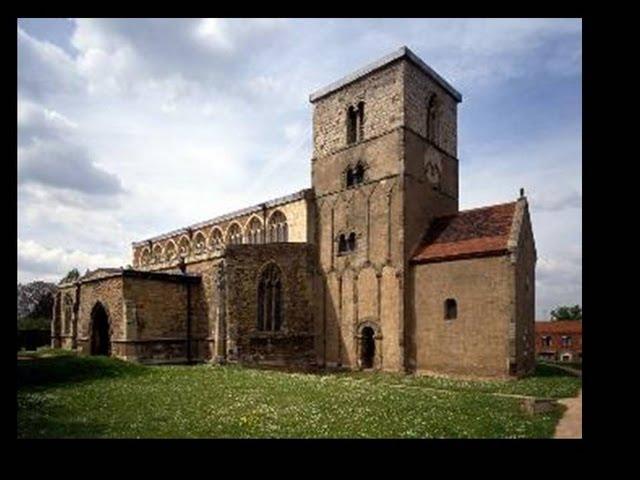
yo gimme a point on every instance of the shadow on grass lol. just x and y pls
(547, 370)
(70, 369)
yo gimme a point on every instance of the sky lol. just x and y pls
(129, 128)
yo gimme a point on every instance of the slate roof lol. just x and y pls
(479, 232)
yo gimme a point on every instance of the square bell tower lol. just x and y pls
(384, 165)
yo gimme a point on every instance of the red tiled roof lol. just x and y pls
(470, 233)
(559, 326)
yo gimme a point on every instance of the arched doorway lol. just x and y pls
(100, 338)
(367, 347)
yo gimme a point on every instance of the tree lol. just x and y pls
(72, 276)
(566, 312)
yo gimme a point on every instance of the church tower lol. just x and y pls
(384, 165)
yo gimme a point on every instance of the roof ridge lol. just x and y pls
(488, 206)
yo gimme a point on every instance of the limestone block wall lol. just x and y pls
(418, 89)
(382, 95)
(476, 342)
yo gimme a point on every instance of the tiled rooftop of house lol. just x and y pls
(472, 233)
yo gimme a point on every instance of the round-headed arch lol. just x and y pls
(216, 237)
(145, 256)
(277, 229)
(234, 234)
(170, 251)
(199, 243)
(157, 253)
(254, 231)
(184, 246)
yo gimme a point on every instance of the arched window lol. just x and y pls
(450, 309)
(234, 234)
(254, 231)
(351, 242)
(358, 174)
(216, 238)
(354, 175)
(199, 243)
(156, 256)
(270, 313)
(355, 123)
(145, 258)
(170, 251)
(184, 247)
(68, 313)
(349, 177)
(342, 244)
(360, 121)
(432, 118)
(352, 125)
(278, 229)
(346, 243)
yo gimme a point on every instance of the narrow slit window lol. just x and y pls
(450, 309)
(352, 127)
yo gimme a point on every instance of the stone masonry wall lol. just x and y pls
(525, 284)
(476, 342)
(294, 343)
(381, 92)
(109, 292)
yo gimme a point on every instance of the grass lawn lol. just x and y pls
(70, 396)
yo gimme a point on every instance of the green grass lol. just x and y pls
(69, 396)
(547, 382)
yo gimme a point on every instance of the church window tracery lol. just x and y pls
(270, 311)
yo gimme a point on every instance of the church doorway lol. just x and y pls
(367, 347)
(100, 338)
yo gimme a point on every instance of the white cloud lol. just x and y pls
(44, 69)
(37, 261)
(49, 155)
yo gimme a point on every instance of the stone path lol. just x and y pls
(570, 425)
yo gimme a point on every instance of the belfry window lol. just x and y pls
(342, 244)
(450, 309)
(346, 243)
(354, 175)
(351, 242)
(355, 123)
(352, 125)
(270, 314)
(360, 121)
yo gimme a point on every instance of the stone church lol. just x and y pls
(374, 266)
